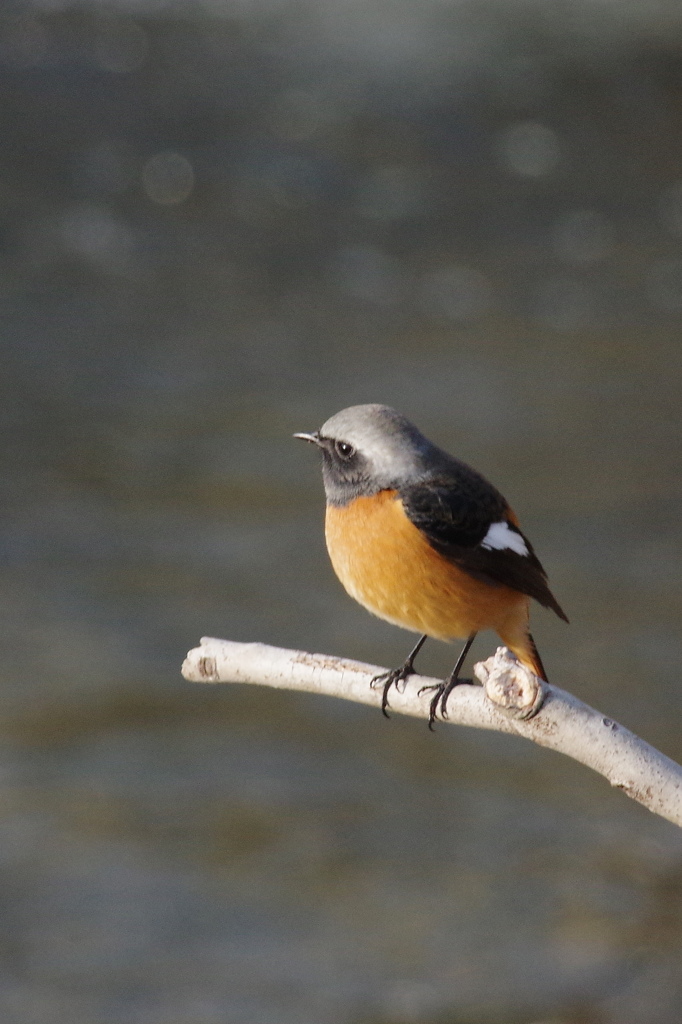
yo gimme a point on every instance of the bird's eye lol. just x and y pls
(344, 450)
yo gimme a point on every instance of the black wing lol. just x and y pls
(455, 514)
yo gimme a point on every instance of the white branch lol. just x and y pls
(511, 700)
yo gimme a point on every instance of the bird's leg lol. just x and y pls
(444, 689)
(397, 675)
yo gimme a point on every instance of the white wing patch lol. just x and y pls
(500, 536)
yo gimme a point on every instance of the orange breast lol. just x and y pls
(386, 564)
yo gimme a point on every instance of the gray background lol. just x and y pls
(223, 222)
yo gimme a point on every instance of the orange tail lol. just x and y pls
(535, 661)
(523, 646)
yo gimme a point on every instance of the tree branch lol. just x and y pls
(511, 700)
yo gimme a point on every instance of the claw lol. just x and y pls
(433, 706)
(396, 676)
(444, 689)
(388, 679)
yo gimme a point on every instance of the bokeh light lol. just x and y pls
(96, 234)
(530, 149)
(168, 178)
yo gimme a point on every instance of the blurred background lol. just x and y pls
(221, 222)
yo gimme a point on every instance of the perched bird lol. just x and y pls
(424, 541)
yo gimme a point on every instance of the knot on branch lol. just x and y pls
(510, 686)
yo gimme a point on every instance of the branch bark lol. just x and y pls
(511, 700)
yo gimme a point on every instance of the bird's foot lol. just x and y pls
(439, 700)
(444, 689)
(395, 677)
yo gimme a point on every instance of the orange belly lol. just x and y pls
(386, 564)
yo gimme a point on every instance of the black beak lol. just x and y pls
(313, 438)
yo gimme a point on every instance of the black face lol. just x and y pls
(345, 471)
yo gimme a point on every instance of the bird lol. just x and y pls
(424, 541)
